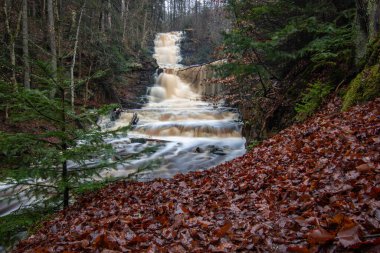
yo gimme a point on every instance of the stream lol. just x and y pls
(186, 133)
(177, 132)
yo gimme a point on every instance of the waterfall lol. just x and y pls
(188, 133)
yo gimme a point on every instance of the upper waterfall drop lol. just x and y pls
(167, 49)
(168, 85)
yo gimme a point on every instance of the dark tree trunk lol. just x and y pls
(25, 44)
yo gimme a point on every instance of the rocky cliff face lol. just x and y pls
(128, 89)
(374, 17)
(132, 93)
(199, 76)
(196, 49)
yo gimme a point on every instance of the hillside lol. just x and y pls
(314, 187)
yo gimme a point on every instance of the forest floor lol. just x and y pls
(314, 187)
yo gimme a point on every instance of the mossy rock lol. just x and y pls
(135, 66)
(365, 87)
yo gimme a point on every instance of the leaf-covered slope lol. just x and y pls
(312, 187)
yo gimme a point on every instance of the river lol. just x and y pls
(177, 132)
(187, 133)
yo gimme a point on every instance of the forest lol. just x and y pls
(189, 126)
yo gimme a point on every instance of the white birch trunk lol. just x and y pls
(12, 44)
(72, 83)
(125, 16)
(109, 16)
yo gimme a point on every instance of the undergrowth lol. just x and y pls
(312, 99)
(16, 226)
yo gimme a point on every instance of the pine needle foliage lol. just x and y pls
(58, 150)
(275, 48)
(280, 33)
(53, 153)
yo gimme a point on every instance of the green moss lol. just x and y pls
(364, 87)
(374, 52)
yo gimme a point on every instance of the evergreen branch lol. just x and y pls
(262, 83)
(264, 66)
(41, 113)
(33, 184)
(45, 141)
(85, 168)
(39, 47)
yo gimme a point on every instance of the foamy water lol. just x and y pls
(188, 133)
(181, 132)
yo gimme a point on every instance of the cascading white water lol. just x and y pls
(167, 50)
(168, 85)
(181, 132)
(188, 133)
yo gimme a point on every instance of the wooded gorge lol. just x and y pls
(64, 64)
(98, 39)
(98, 94)
(291, 55)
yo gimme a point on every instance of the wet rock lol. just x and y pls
(198, 150)
(135, 119)
(110, 124)
(219, 152)
(216, 150)
(138, 140)
(159, 71)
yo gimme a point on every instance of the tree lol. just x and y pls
(25, 44)
(52, 40)
(74, 56)
(13, 32)
(280, 48)
(67, 147)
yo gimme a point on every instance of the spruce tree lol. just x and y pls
(54, 150)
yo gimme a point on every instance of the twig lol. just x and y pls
(371, 236)
(41, 113)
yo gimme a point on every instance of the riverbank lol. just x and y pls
(313, 186)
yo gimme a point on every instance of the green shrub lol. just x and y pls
(253, 144)
(311, 100)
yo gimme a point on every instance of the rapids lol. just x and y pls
(187, 133)
(177, 132)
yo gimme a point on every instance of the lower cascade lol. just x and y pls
(181, 132)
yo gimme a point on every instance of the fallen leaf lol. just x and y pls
(319, 236)
(224, 229)
(298, 249)
(363, 168)
(349, 236)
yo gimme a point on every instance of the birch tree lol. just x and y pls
(72, 83)
(13, 34)
(124, 16)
